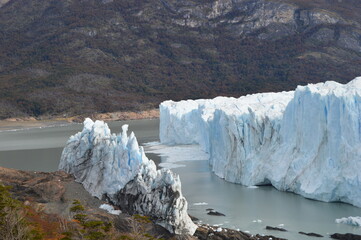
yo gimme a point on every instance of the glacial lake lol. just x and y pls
(247, 209)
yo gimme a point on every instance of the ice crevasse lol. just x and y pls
(114, 167)
(306, 141)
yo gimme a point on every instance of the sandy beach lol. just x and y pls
(31, 122)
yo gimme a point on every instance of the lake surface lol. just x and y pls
(248, 209)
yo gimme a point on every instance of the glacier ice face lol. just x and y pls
(157, 194)
(115, 167)
(306, 141)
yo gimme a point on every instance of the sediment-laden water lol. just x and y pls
(249, 209)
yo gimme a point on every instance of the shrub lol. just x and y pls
(13, 219)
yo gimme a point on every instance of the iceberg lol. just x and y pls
(353, 221)
(306, 141)
(115, 168)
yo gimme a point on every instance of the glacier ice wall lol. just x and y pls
(306, 141)
(114, 166)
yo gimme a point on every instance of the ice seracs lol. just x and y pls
(306, 141)
(114, 167)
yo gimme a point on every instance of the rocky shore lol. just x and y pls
(52, 195)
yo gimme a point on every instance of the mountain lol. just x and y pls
(81, 56)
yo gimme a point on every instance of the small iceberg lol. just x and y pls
(353, 221)
(200, 204)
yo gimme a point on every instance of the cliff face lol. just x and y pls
(134, 54)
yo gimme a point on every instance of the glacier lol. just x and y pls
(114, 167)
(306, 141)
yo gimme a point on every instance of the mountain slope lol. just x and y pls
(77, 56)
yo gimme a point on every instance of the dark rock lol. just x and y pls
(209, 209)
(311, 234)
(183, 237)
(210, 233)
(267, 237)
(276, 229)
(205, 232)
(347, 236)
(194, 219)
(215, 213)
(201, 233)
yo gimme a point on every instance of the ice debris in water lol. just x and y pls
(353, 221)
(200, 204)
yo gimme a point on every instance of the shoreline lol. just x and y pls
(40, 195)
(17, 123)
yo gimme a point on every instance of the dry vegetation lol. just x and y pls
(19, 221)
(68, 57)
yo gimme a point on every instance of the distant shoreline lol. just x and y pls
(31, 122)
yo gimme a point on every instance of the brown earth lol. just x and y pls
(31, 122)
(51, 195)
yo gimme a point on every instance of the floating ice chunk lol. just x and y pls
(252, 187)
(110, 209)
(200, 204)
(219, 229)
(257, 221)
(353, 221)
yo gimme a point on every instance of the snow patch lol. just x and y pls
(110, 209)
